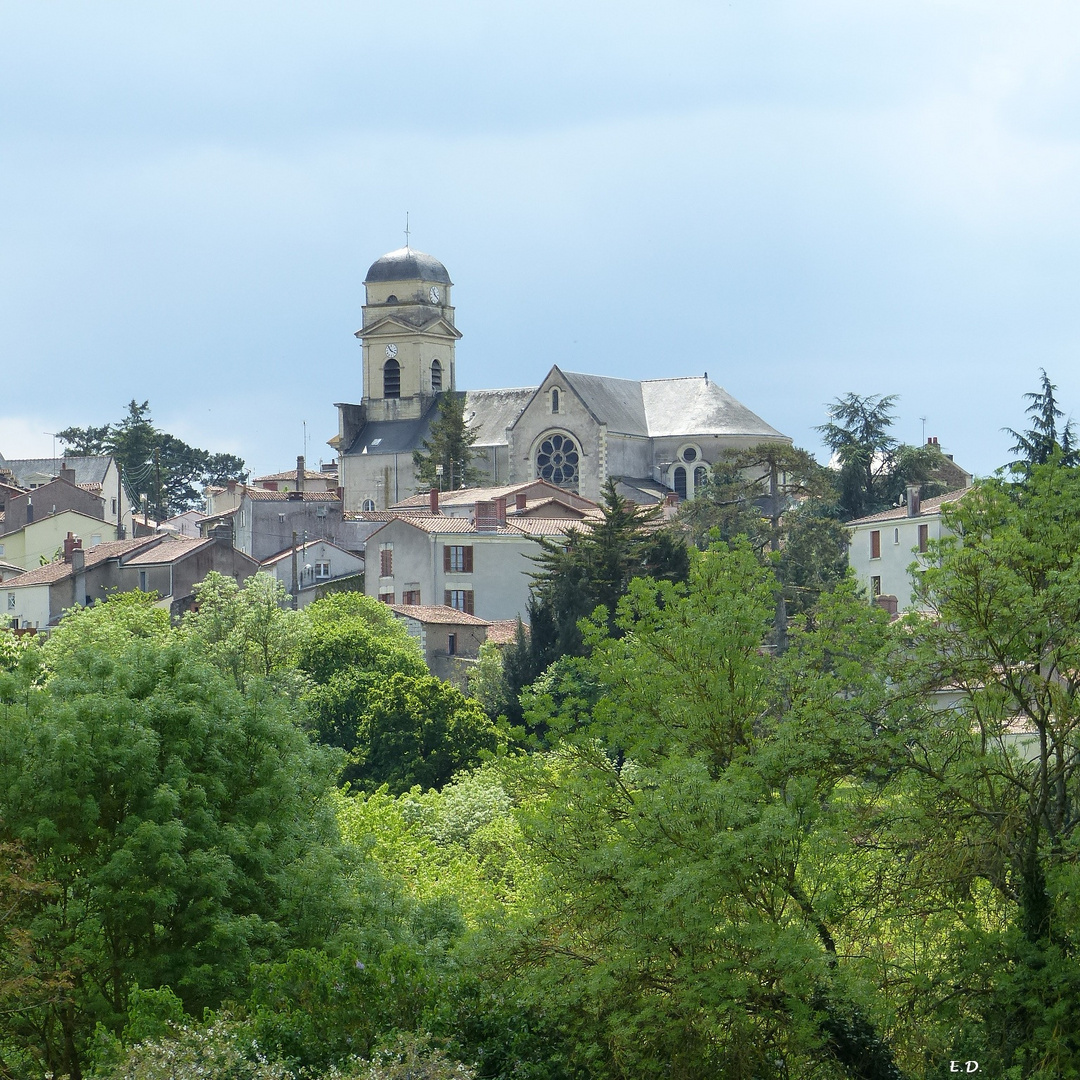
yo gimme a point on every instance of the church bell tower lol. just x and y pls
(408, 335)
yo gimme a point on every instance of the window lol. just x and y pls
(114, 506)
(1, 549)
(678, 481)
(11, 601)
(557, 461)
(410, 596)
(689, 454)
(554, 401)
(875, 587)
(95, 539)
(322, 571)
(386, 596)
(142, 581)
(896, 536)
(369, 504)
(924, 537)
(386, 560)
(457, 559)
(451, 644)
(391, 379)
(875, 544)
(701, 477)
(281, 517)
(460, 599)
(436, 376)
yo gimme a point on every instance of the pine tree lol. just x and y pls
(449, 445)
(1037, 445)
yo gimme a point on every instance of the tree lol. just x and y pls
(594, 566)
(875, 467)
(449, 445)
(185, 826)
(698, 831)
(1042, 440)
(993, 771)
(419, 731)
(166, 470)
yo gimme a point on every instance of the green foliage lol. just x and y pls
(1042, 441)
(246, 631)
(419, 731)
(160, 466)
(449, 444)
(875, 467)
(594, 567)
(184, 825)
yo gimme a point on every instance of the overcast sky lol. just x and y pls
(800, 198)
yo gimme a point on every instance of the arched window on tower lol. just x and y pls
(436, 376)
(391, 379)
(679, 481)
(554, 401)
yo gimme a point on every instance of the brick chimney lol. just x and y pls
(500, 510)
(913, 500)
(888, 603)
(67, 473)
(72, 543)
(671, 499)
(521, 500)
(300, 472)
(485, 517)
(433, 500)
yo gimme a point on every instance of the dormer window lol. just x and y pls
(391, 379)
(554, 401)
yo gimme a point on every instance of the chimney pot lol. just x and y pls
(300, 472)
(913, 500)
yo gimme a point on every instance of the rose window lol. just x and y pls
(557, 461)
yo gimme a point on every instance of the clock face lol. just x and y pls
(433, 294)
(391, 351)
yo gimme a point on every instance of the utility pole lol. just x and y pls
(295, 576)
(157, 467)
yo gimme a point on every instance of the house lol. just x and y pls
(884, 546)
(572, 430)
(299, 479)
(185, 524)
(481, 565)
(449, 639)
(39, 597)
(265, 522)
(50, 498)
(96, 475)
(319, 565)
(534, 498)
(44, 537)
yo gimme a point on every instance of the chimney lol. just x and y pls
(66, 473)
(29, 511)
(433, 500)
(521, 500)
(887, 602)
(300, 472)
(72, 543)
(230, 486)
(500, 510)
(671, 499)
(913, 500)
(485, 517)
(222, 534)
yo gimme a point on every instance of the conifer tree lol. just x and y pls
(450, 445)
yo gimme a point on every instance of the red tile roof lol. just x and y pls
(168, 551)
(927, 508)
(438, 613)
(57, 571)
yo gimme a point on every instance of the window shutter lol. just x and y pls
(468, 606)
(446, 559)
(875, 544)
(467, 566)
(447, 598)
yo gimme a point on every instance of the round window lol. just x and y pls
(689, 454)
(557, 461)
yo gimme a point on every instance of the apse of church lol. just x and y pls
(574, 430)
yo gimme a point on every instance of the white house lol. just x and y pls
(318, 563)
(884, 546)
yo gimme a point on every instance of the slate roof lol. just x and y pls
(393, 436)
(493, 411)
(405, 264)
(615, 402)
(438, 613)
(88, 470)
(698, 406)
(927, 508)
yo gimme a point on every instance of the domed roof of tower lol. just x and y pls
(405, 264)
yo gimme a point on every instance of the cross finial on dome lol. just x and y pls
(406, 230)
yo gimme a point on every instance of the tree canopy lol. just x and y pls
(448, 448)
(166, 470)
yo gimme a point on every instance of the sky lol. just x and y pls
(803, 199)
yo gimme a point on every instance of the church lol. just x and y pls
(654, 436)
